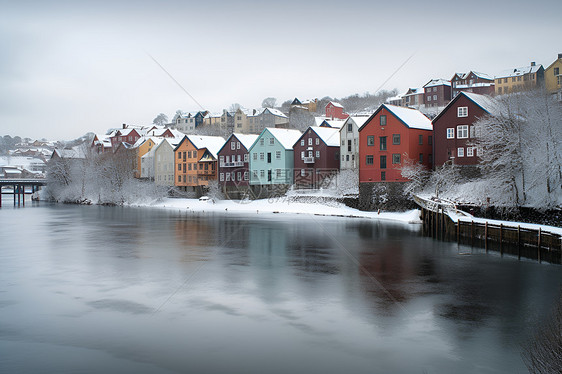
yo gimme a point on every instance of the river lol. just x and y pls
(89, 289)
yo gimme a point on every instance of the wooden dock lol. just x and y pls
(18, 188)
(441, 220)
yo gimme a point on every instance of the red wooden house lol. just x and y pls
(234, 161)
(390, 135)
(453, 130)
(124, 135)
(335, 110)
(317, 156)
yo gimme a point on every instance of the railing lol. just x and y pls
(232, 164)
(309, 160)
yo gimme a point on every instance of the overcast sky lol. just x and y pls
(67, 68)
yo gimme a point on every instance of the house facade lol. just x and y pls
(234, 164)
(390, 135)
(272, 157)
(553, 76)
(413, 98)
(125, 135)
(188, 122)
(164, 163)
(453, 129)
(335, 111)
(472, 81)
(518, 79)
(143, 146)
(349, 143)
(316, 156)
(437, 93)
(195, 161)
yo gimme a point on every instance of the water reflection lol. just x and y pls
(139, 290)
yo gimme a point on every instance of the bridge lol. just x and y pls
(18, 188)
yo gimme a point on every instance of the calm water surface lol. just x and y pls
(103, 290)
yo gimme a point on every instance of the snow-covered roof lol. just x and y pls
(437, 82)
(75, 153)
(414, 91)
(275, 112)
(481, 75)
(246, 139)
(474, 85)
(359, 121)
(484, 101)
(330, 136)
(395, 98)
(338, 105)
(287, 137)
(212, 143)
(334, 123)
(518, 71)
(411, 117)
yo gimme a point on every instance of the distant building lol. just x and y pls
(518, 79)
(472, 81)
(553, 76)
(196, 161)
(437, 93)
(349, 146)
(413, 98)
(234, 164)
(335, 111)
(309, 105)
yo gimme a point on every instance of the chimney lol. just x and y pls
(560, 55)
(124, 126)
(532, 63)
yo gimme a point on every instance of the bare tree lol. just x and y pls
(416, 172)
(269, 102)
(160, 120)
(234, 107)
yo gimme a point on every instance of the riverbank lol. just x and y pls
(281, 205)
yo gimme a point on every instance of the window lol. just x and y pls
(302, 155)
(303, 173)
(221, 178)
(383, 120)
(556, 71)
(254, 174)
(232, 145)
(271, 141)
(500, 90)
(349, 145)
(460, 152)
(396, 139)
(346, 157)
(278, 155)
(302, 142)
(228, 177)
(349, 127)
(383, 162)
(245, 175)
(462, 111)
(317, 141)
(309, 141)
(317, 154)
(383, 175)
(255, 156)
(434, 97)
(269, 157)
(421, 158)
(369, 160)
(237, 145)
(262, 173)
(228, 158)
(382, 141)
(179, 155)
(262, 156)
(370, 140)
(450, 133)
(429, 98)
(261, 141)
(462, 132)
(277, 173)
(239, 176)
(221, 159)
(342, 142)
(396, 158)
(420, 139)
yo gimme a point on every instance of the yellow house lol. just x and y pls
(553, 76)
(518, 79)
(143, 146)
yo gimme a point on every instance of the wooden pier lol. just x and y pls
(441, 220)
(18, 188)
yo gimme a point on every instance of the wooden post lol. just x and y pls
(539, 245)
(486, 236)
(501, 239)
(519, 242)
(19, 197)
(472, 233)
(14, 192)
(458, 230)
(23, 195)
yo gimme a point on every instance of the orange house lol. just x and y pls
(196, 160)
(390, 135)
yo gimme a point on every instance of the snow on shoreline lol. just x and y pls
(281, 206)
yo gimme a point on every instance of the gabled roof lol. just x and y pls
(437, 82)
(287, 137)
(358, 120)
(555, 61)
(212, 143)
(74, 153)
(411, 118)
(531, 69)
(274, 112)
(246, 139)
(338, 105)
(414, 91)
(487, 103)
(330, 136)
(333, 123)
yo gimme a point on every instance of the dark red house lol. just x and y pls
(453, 130)
(335, 111)
(390, 135)
(233, 165)
(124, 135)
(472, 81)
(317, 156)
(437, 93)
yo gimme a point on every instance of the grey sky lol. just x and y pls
(67, 68)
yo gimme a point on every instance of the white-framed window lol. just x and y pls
(342, 142)
(462, 132)
(261, 141)
(277, 173)
(221, 159)
(222, 177)
(233, 176)
(228, 177)
(469, 152)
(233, 146)
(317, 154)
(262, 173)
(255, 156)
(245, 157)
(254, 174)
(303, 173)
(309, 153)
(317, 141)
(309, 141)
(462, 111)
(460, 152)
(278, 155)
(228, 159)
(434, 89)
(429, 98)
(271, 141)
(237, 145)
(302, 155)
(262, 156)
(302, 142)
(434, 97)
(245, 175)
(450, 133)
(239, 176)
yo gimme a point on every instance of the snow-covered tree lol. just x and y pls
(416, 172)
(269, 102)
(160, 120)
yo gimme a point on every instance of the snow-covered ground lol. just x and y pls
(282, 205)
